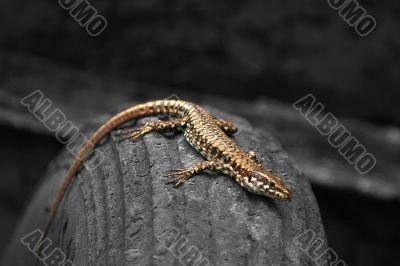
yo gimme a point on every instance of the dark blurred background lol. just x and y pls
(253, 58)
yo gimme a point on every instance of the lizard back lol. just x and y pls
(206, 136)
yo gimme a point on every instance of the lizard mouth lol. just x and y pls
(282, 194)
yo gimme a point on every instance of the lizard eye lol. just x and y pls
(272, 185)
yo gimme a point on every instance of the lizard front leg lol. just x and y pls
(226, 126)
(181, 175)
(255, 157)
(170, 125)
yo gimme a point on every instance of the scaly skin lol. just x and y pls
(204, 132)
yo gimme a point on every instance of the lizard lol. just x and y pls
(206, 133)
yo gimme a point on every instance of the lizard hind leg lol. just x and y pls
(160, 126)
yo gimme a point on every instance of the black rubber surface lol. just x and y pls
(124, 213)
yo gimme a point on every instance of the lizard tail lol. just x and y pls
(170, 107)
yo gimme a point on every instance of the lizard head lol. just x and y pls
(266, 184)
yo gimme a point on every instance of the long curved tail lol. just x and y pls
(171, 107)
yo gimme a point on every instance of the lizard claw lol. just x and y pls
(134, 134)
(178, 176)
(124, 132)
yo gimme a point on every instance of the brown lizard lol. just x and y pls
(204, 132)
